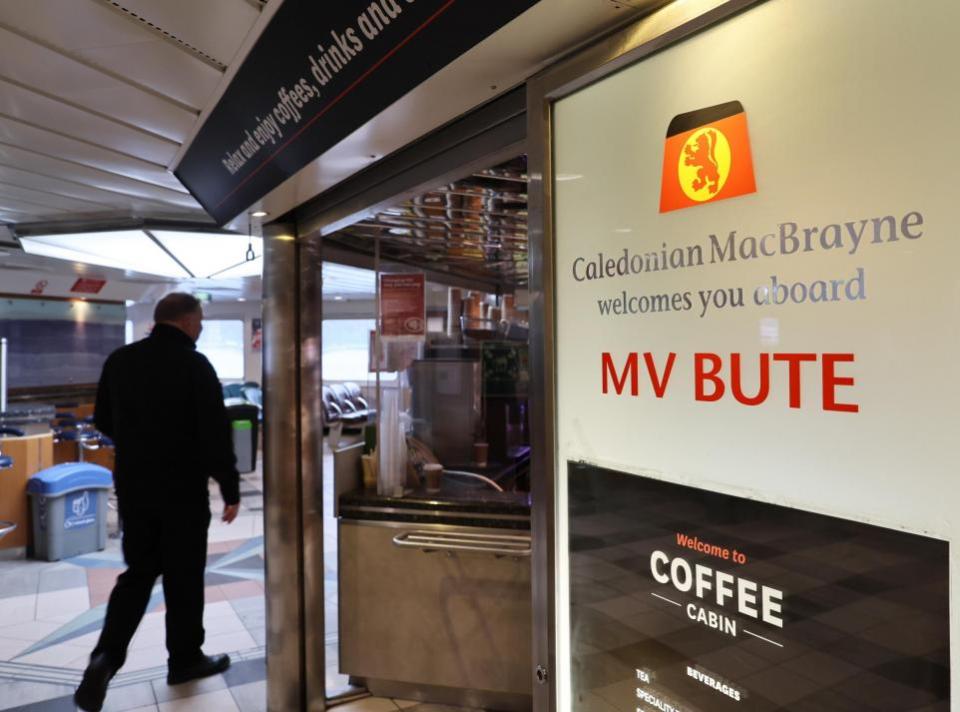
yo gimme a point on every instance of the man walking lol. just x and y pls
(162, 404)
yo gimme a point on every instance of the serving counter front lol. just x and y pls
(435, 598)
(30, 454)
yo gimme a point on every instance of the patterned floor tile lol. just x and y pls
(51, 614)
(15, 694)
(221, 701)
(19, 583)
(65, 576)
(30, 631)
(130, 697)
(18, 609)
(194, 688)
(251, 697)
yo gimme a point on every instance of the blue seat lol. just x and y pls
(233, 390)
(11, 431)
(254, 395)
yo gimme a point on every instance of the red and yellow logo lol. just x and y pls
(706, 157)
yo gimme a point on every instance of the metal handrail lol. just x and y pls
(496, 544)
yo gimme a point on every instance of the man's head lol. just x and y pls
(182, 311)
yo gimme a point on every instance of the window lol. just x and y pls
(221, 341)
(346, 350)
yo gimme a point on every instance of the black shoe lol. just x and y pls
(203, 667)
(93, 688)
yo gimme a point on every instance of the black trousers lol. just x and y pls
(165, 537)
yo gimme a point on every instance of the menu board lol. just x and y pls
(757, 301)
(684, 599)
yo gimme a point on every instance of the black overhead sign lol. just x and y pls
(684, 600)
(319, 71)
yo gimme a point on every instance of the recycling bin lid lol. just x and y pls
(69, 476)
(242, 425)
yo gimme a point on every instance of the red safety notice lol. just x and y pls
(403, 306)
(85, 285)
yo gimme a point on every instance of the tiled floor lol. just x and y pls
(51, 614)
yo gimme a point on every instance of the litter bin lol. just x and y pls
(243, 445)
(249, 413)
(69, 507)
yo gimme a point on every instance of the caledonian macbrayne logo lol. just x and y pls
(706, 157)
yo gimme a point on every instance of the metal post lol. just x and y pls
(3, 376)
(282, 478)
(310, 309)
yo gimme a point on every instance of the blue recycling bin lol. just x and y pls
(69, 506)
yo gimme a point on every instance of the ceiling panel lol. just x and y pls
(102, 200)
(97, 96)
(46, 195)
(20, 212)
(101, 34)
(30, 198)
(15, 133)
(37, 66)
(216, 27)
(102, 130)
(163, 67)
(54, 167)
(73, 24)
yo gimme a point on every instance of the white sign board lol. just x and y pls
(795, 343)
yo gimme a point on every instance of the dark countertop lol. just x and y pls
(455, 503)
(24, 415)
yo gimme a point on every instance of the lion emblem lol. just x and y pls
(702, 156)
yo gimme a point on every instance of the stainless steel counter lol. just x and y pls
(438, 612)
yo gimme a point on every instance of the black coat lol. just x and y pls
(161, 402)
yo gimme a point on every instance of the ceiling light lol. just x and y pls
(338, 298)
(208, 254)
(241, 268)
(241, 299)
(129, 250)
(259, 214)
(562, 177)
